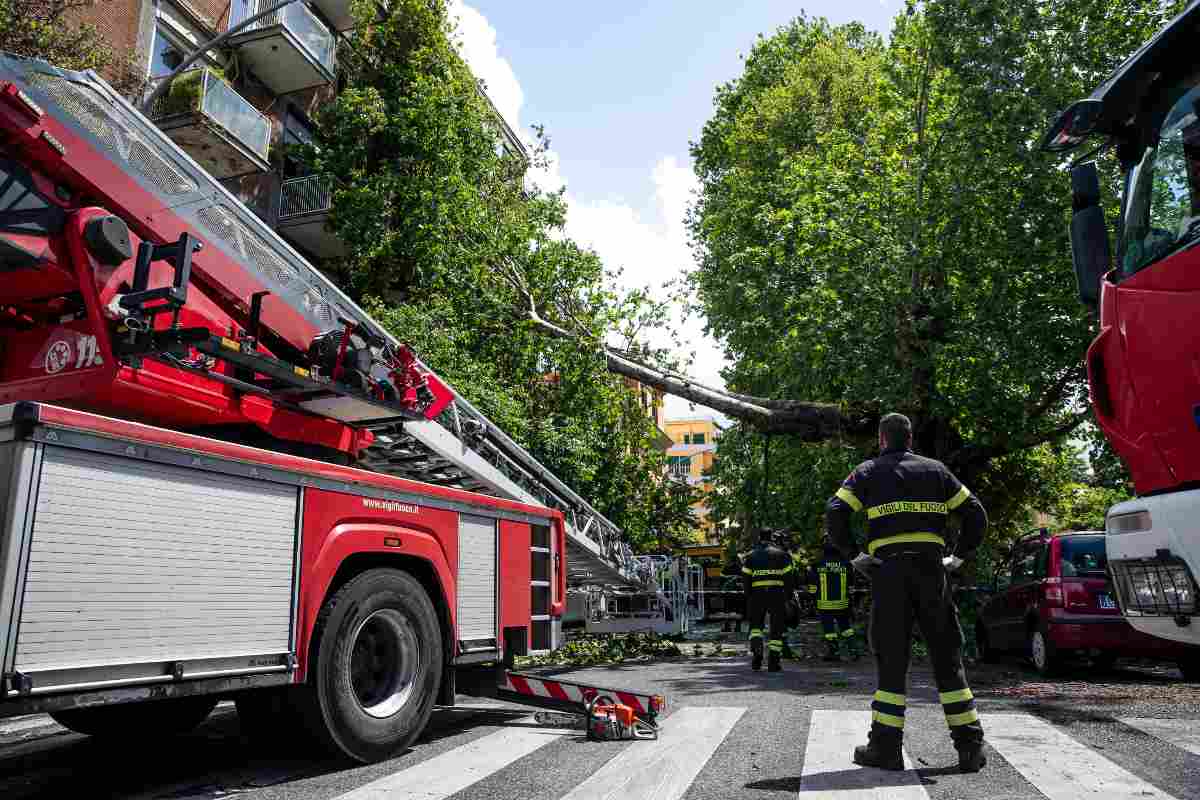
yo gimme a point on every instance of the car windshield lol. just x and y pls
(1083, 555)
(1162, 209)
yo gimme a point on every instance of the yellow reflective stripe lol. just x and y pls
(891, 698)
(957, 696)
(747, 571)
(775, 645)
(824, 587)
(831, 636)
(891, 720)
(832, 605)
(965, 718)
(906, 507)
(847, 496)
(765, 583)
(846, 634)
(756, 633)
(763, 572)
(905, 538)
(958, 499)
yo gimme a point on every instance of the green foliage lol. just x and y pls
(590, 650)
(454, 253)
(875, 226)
(1082, 508)
(48, 29)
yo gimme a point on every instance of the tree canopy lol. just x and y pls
(875, 229)
(457, 253)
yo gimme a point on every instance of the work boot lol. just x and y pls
(882, 756)
(773, 664)
(756, 649)
(971, 758)
(831, 651)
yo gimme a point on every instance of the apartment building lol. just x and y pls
(690, 459)
(239, 107)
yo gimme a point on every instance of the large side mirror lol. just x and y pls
(1089, 234)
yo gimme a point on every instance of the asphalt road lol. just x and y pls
(1130, 733)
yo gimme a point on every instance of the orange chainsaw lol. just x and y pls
(608, 721)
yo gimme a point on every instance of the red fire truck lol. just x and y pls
(1144, 365)
(188, 406)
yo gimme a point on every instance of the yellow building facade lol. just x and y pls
(690, 459)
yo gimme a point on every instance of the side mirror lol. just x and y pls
(1090, 251)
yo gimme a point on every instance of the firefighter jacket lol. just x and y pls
(768, 567)
(832, 576)
(907, 498)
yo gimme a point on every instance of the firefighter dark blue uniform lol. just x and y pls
(907, 499)
(832, 577)
(769, 577)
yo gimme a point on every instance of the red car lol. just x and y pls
(1054, 600)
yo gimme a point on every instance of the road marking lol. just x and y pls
(1060, 767)
(830, 772)
(663, 769)
(1183, 733)
(19, 724)
(453, 771)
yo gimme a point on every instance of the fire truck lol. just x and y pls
(1144, 364)
(220, 478)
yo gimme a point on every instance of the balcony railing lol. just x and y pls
(297, 19)
(308, 195)
(197, 101)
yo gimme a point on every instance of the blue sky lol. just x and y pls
(622, 87)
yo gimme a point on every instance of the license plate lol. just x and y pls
(1106, 601)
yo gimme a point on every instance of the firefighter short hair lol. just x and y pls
(766, 534)
(896, 430)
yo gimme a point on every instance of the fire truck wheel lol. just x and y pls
(156, 718)
(378, 666)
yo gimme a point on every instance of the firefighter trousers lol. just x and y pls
(759, 605)
(836, 624)
(911, 585)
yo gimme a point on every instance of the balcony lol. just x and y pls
(337, 12)
(304, 205)
(289, 49)
(214, 124)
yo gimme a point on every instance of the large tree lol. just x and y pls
(876, 229)
(454, 252)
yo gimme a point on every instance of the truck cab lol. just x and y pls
(1144, 364)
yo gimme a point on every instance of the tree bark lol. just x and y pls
(812, 422)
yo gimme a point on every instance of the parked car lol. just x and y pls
(1053, 599)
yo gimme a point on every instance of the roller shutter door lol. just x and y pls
(476, 579)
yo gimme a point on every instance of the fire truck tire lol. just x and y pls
(156, 718)
(377, 666)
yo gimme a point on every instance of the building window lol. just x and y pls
(697, 438)
(680, 466)
(296, 133)
(165, 54)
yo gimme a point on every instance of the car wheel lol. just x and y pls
(1042, 652)
(983, 644)
(377, 666)
(1190, 667)
(139, 720)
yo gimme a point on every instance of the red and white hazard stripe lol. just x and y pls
(574, 693)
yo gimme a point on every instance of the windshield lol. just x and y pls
(1083, 555)
(1162, 212)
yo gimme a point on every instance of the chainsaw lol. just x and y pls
(604, 721)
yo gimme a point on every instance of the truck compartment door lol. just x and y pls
(477, 587)
(137, 572)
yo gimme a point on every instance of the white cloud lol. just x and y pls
(650, 252)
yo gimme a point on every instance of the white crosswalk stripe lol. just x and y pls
(442, 776)
(830, 773)
(1059, 766)
(30, 723)
(662, 769)
(1183, 733)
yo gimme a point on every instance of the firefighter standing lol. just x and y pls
(769, 578)
(832, 577)
(907, 499)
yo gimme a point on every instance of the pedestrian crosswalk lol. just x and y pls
(1031, 756)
